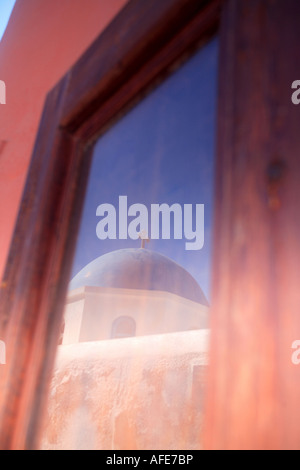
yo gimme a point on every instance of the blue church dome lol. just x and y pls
(139, 268)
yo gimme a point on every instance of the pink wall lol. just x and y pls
(42, 40)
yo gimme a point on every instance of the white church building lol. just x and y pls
(131, 367)
(132, 292)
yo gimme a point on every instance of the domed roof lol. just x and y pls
(139, 268)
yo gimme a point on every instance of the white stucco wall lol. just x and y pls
(91, 311)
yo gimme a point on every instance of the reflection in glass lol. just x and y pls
(141, 276)
(123, 327)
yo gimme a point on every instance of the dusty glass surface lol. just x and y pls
(161, 152)
(130, 372)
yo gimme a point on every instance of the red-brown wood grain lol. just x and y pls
(39, 264)
(253, 391)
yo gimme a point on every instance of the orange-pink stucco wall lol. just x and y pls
(140, 393)
(42, 40)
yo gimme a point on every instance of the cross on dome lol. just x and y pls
(143, 235)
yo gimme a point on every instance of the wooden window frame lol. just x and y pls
(143, 44)
(253, 387)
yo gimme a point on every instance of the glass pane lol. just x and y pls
(130, 370)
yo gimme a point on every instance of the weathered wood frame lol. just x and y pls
(253, 387)
(137, 49)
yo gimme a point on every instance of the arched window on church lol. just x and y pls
(123, 327)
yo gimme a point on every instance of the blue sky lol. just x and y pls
(162, 151)
(6, 7)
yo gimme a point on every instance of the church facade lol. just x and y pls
(70, 71)
(132, 292)
(135, 334)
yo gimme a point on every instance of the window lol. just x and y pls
(255, 246)
(123, 327)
